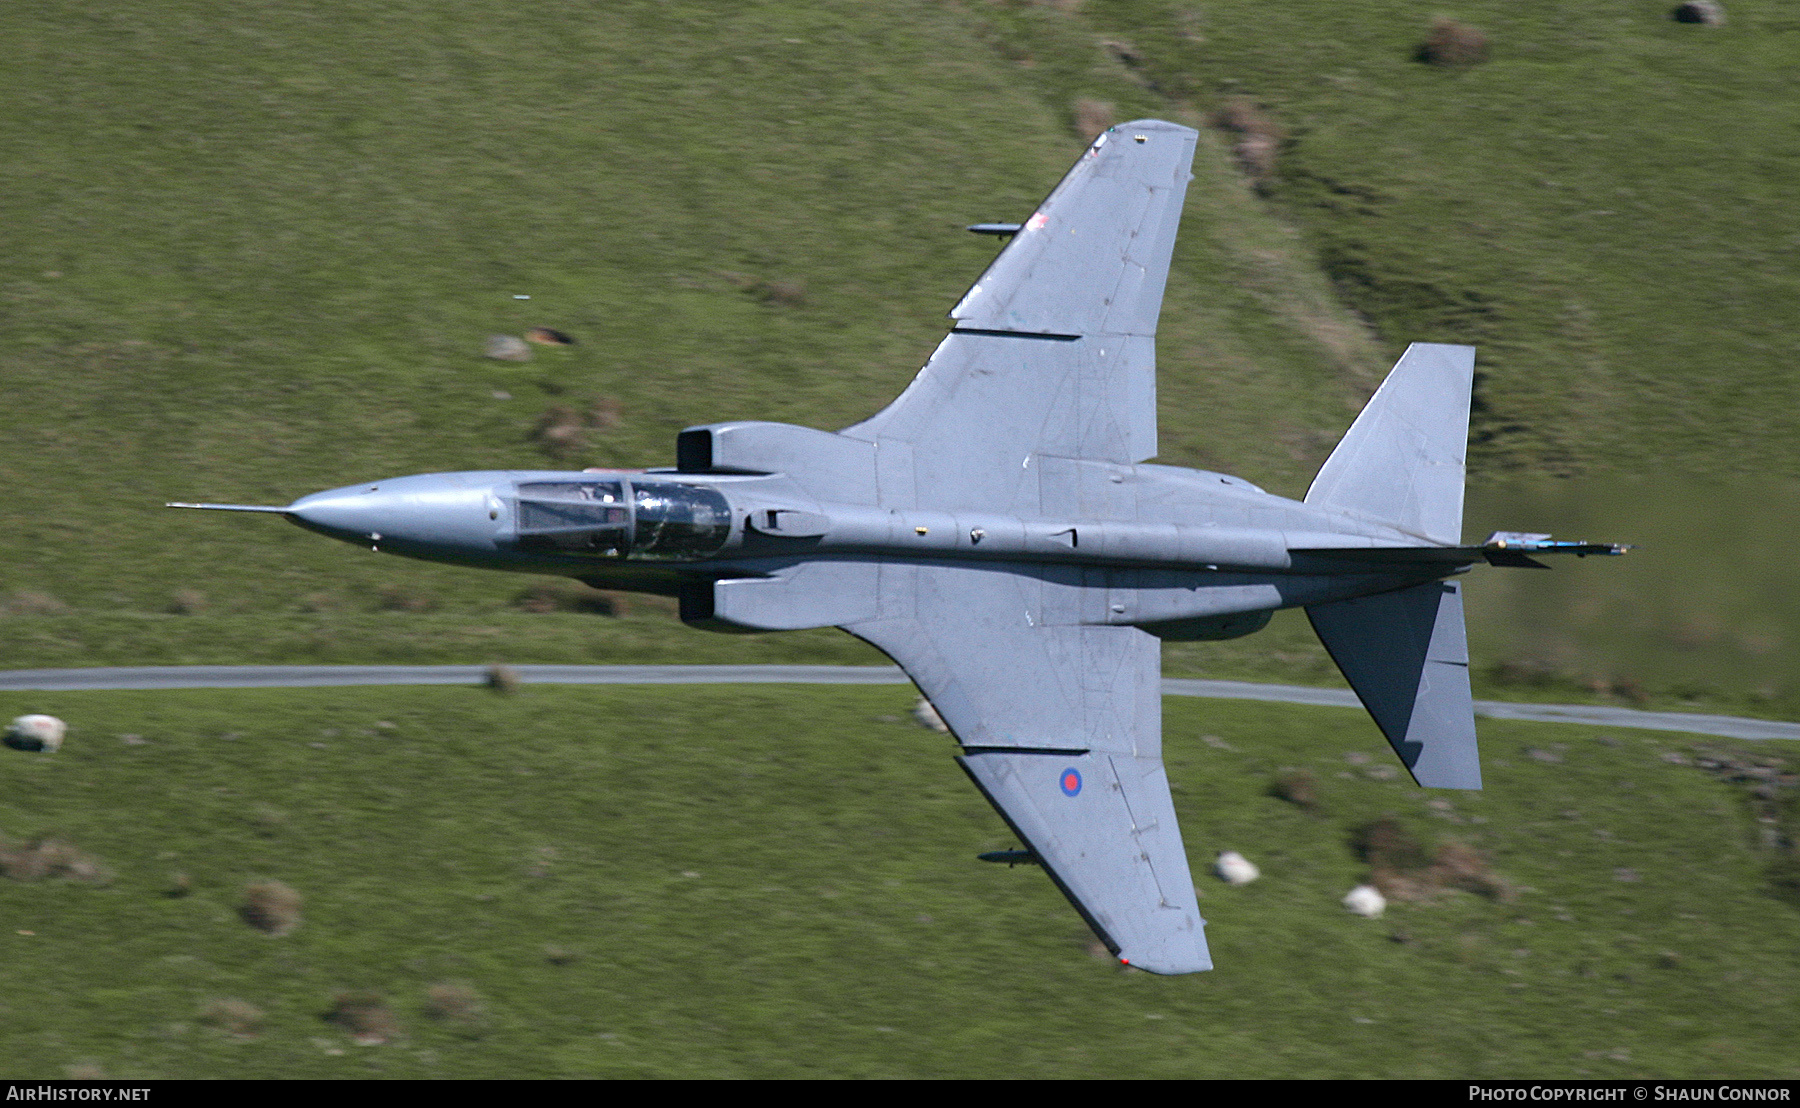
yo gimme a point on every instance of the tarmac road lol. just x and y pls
(264, 677)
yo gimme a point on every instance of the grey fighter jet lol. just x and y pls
(997, 532)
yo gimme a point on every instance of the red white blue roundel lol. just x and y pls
(1070, 781)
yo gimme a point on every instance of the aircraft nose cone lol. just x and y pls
(426, 516)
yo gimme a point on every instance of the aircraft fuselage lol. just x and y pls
(1175, 551)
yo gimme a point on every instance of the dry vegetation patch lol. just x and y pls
(46, 857)
(187, 602)
(1453, 45)
(32, 602)
(238, 1018)
(366, 1016)
(271, 907)
(455, 1003)
(1297, 787)
(1256, 138)
(1402, 867)
(502, 679)
(1093, 118)
(570, 596)
(562, 431)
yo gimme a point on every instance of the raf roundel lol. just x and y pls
(1070, 781)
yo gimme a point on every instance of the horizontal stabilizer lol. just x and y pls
(1104, 828)
(1401, 462)
(1407, 656)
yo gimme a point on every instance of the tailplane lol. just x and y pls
(1401, 462)
(1406, 654)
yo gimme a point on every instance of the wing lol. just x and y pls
(1054, 347)
(1061, 727)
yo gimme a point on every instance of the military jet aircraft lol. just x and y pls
(997, 532)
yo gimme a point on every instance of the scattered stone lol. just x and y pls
(502, 394)
(134, 740)
(1549, 756)
(1216, 742)
(36, 734)
(1234, 869)
(1366, 901)
(1676, 758)
(507, 348)
(548, 337)
(928, 717)
(1356, 758)
(1709, 12)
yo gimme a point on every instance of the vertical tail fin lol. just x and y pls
(1407, 656)
(1401, 462)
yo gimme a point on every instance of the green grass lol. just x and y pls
(781, 882)
(1598, 207)
(252, 251)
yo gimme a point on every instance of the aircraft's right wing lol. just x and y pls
(1054, 347)
(1061, 727)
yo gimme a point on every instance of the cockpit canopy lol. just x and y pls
(622, 518)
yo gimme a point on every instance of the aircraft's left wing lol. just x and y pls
(1060, 724)
(1054, 351)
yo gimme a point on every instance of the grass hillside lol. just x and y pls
(254, 250)
(1601, 205)
(728, 883)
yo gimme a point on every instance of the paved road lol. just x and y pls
(247, 677)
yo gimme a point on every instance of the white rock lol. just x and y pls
(1235, 868)
(1366, 900)
(36, 733)
(928, 715)
(507, 348)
